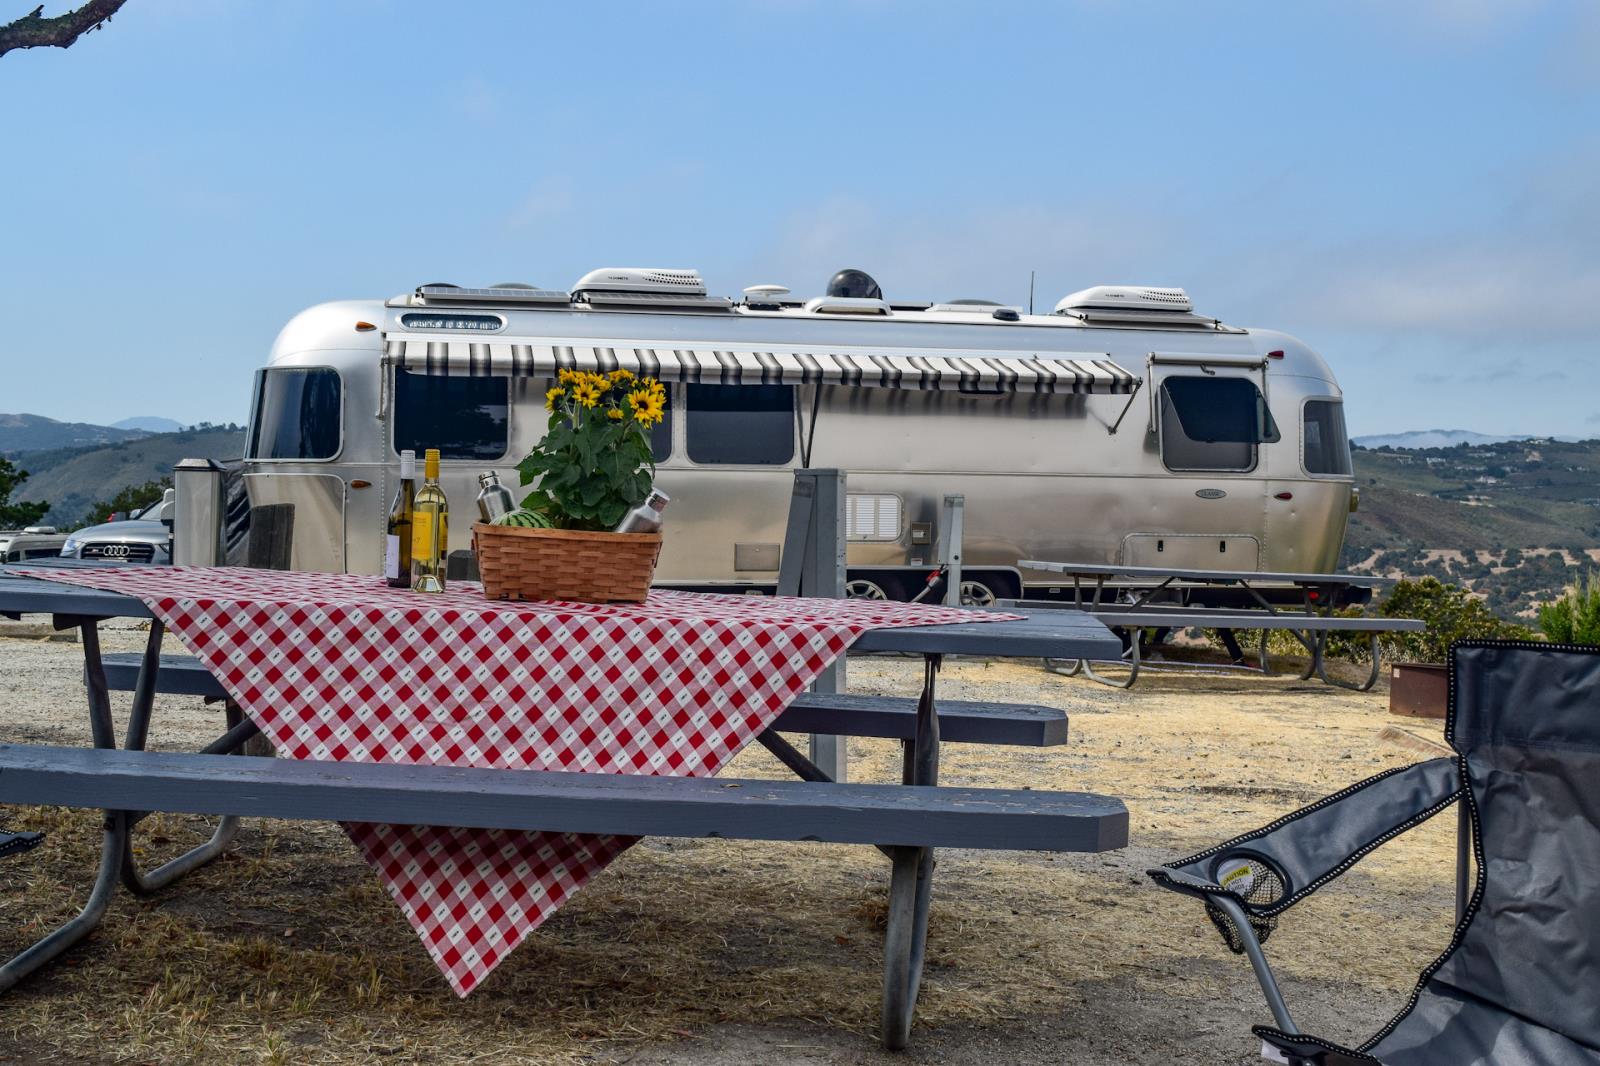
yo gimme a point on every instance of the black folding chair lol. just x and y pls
(1519, 984)
(17, 843)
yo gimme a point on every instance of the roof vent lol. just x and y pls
(847, 305)
(767, 297)
(441, 292)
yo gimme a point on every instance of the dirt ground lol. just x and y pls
(289, 951)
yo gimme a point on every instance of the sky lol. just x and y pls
(1409, 188)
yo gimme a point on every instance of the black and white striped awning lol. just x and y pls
(894, 368)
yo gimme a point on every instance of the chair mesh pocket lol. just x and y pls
(1256, 884)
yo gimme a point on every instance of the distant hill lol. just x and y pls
(1437, 438)
(73, 478)
(30, 433)
(1514, 520)
(149, 424)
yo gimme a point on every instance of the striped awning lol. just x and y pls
(893, 368)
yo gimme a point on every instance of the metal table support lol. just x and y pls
(116, 851)
(911, 881)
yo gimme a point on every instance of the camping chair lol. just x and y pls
(1519, 984)
(17, 843)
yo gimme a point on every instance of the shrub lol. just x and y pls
(1451, 614)
(1575, 617)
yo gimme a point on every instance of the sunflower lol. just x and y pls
(620, 376)
(587, 392)
(649, 405)
(614, 413)
(553, 396)
(566, 377)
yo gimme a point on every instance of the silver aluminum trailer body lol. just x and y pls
(1091, 478)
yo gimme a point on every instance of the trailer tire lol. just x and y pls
(874, 587)
(985, 589)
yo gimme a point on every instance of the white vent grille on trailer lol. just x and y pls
(872, 516)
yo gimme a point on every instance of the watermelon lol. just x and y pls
(525, 518)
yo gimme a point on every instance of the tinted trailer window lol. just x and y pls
(1213, 423)
(1327, 447)
(465, 418)
(296, 415)
(740, 424)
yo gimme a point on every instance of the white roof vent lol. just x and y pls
(1128, 297)
(641, 279)
(847, 305)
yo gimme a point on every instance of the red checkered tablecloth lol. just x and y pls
(342, 667)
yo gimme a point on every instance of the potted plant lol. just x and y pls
(593, 465)
(1418, 678)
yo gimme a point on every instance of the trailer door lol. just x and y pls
(1209, 418)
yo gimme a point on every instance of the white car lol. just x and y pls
(144, 538)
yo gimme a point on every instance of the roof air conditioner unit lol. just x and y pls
(1126, 297)
(641, 280)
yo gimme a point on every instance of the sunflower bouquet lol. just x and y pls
(595, 461)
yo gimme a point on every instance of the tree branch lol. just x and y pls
(33, 30)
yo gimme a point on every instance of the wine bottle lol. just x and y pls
(430, 529)
(397, 545)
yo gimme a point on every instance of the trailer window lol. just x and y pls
(296, 414)
(1213, 423)
(740, 424)
(464, 417)
(1327, 448)
(661, 433)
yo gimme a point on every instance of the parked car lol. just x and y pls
(20, 547)
(144, 538)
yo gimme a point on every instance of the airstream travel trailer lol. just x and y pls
(1121, 428)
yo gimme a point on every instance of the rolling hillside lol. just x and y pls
(1516, 520)
(23, 433)
(73, 478)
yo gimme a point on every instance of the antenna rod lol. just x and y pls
(1030, 292)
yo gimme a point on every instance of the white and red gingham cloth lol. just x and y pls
(342, 667)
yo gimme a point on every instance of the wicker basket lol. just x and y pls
(518, 563)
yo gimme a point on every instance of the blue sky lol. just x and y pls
(1407, 187)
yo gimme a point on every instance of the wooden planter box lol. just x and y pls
(1419, 690)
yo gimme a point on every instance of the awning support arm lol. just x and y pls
(1133, 395)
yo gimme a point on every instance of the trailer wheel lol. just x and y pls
(875, 586)
(985, 589)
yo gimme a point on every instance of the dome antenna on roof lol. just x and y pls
(854, 284)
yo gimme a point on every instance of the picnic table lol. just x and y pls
(1159, 599)
(488, 759)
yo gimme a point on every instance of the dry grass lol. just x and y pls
(288, 950)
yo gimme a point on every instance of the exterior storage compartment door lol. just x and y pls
(1192, 551)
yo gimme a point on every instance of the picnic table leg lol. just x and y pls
(1133, 666)
(911, 881)
(1365, 686)
(1262, 657)
(144, 692)
(113, 842)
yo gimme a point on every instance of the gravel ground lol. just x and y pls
(726, 952)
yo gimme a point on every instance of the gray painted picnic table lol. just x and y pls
(1038, 634)
(1311, 624)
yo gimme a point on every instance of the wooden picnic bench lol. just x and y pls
(908, 821)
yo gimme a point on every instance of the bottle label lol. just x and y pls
(421, 539)
(391, 556)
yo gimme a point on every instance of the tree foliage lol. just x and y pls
(130, 500)
(1451, 612)
(16, 515)
(1575, 618)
